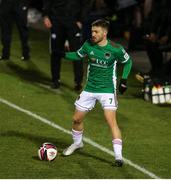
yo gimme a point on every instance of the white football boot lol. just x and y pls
(68, 151)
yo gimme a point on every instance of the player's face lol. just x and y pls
(98, 34)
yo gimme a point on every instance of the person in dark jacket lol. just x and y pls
(65, 18)
(159, 34)
(10, 11)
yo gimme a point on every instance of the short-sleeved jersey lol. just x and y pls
(101, 72)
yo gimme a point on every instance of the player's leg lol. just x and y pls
(110, 104)
(84, 103)
(110, 116)
(78, 126)
(78, 120)
(77, 132)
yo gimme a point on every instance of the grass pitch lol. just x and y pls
(145, 127)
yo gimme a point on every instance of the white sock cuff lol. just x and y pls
(77, 132)
(117, 141)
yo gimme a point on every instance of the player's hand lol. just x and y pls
(122, 86)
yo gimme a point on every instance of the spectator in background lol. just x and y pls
(125, 13)
(159, 34)
(65, 19)
(14, 10)
(147, 8)
(38, 4)
(98, 9)
(135, 30)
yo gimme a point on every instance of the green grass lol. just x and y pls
(145, 127)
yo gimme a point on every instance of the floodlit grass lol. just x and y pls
(145, 127)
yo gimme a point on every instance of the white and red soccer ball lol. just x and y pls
(47, 152)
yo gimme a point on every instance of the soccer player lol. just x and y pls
(102, 55)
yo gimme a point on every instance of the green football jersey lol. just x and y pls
(102, 60)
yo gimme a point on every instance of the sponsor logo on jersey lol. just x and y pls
(99, 63)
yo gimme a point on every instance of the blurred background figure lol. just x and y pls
(10, 11)
(65, 19)
(158, 34)
(98, 9)
(125, 12)
(34, 16)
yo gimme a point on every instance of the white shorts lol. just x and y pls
(87, 100)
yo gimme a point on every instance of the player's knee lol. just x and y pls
(76, 120)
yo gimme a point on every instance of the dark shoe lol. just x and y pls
(118, 163)
(56, 85)
(4, 58)
(78, 87)
(25, 58)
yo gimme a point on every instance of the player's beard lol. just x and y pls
(96, 40)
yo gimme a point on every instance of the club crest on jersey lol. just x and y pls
(107, 55)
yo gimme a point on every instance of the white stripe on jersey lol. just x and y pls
(88, 71)
(80, 53)
(114, 75)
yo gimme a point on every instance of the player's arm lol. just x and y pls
(126, 60)
(72, 56)
(76, 56)
(127, 68)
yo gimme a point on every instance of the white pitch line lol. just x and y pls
(87, 140)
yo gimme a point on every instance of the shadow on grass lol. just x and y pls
(31, 73)
(93, 156)
(36, 139)
(108, 162)
(60, 143)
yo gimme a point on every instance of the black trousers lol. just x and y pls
(10, 11)
(62, 30)
(156, 58)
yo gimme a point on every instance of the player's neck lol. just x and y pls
(103, 42)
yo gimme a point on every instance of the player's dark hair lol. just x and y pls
(102, 23)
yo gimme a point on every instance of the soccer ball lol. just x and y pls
(47, 152)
